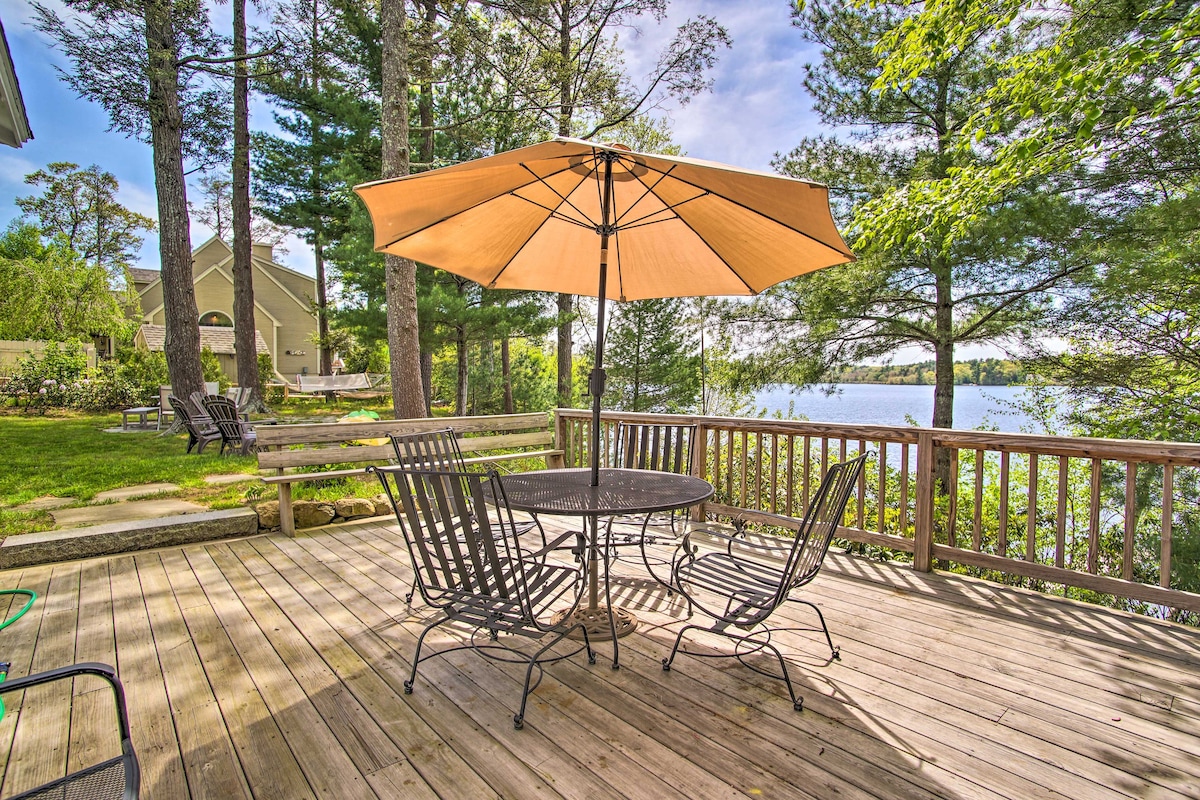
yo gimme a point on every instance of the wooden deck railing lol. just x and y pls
(1110, 516)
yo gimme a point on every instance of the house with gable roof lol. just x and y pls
(284, 319)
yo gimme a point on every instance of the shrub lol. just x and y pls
(210, 366)
(266, 373)
(143, 370)
(44, 380)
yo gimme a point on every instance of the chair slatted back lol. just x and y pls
(459, 556)
(428, 450)
(224, 415)
(664, 448)
(821, 523)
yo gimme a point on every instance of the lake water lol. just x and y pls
(886, 404)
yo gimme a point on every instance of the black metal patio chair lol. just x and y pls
(438, 451)
(200, 432)
(741, 586)
(115, 778)
(236, 434)
(469, 564)
(659, 447)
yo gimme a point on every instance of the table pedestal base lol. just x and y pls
(595, 620)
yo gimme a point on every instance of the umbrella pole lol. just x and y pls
(597, 378)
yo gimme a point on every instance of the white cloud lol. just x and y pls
(757, 105)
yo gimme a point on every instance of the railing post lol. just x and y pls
(561, 440)
(699, 466)
(923, 523)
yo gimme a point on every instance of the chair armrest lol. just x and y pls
(50, 675)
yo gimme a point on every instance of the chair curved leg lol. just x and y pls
(797, 702)
(834, 652)
(519, 717)
(666, 662)
(412, 677)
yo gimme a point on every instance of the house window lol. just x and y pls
(216, 319)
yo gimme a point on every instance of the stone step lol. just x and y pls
(27, 549)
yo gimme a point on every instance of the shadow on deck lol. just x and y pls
(274, 667)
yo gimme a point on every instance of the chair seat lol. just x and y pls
(103, 781)
(752, 586)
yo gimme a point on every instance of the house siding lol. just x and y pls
(282, 299)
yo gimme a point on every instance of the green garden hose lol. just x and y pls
(32, 596)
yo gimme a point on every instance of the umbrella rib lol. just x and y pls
(754, 211)
(649, 191)
(557, 194)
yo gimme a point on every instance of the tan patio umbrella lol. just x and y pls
(600, 220)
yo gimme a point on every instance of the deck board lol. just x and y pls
(274, 667)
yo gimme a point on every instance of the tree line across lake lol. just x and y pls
(973, 372)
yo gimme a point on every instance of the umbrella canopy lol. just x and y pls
(528, 219)
(600, 220)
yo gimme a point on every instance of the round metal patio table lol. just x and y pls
(568, 492)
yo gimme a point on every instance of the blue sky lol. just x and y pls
(757, 106)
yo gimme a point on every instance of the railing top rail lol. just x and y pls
(1136, 450)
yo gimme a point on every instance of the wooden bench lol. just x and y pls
(285, 447)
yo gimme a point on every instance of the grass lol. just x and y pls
(69, 455)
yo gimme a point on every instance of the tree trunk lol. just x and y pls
(506, 375)
(325, 358)
(182, 343)
(426, 155)
(460, 383)
(943, 385)
(427, 381)
(566, 302)
(326, 364)
(565, 377)
(243, 273)
(401, 273)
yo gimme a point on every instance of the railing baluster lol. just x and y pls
(1002, 538)
(1060, 529)
(881, 502)
(862, 489)
(1094, 520)
(1130, 519)
(758, 470)
(952, 516)
(904, 490)
(774, 472)
(729, 471)
(1031, 513)
(807, 471)
(791, 477)
(1168, 512)
(977, 523)
(745, 464)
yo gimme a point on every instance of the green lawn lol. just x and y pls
(70, 455)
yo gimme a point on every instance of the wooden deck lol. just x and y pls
(273, 667)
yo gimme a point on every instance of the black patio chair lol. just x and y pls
(469, 564)
(200, 433)
(236, 434)
(742, 586)
(116, 778)
(439, 451)
(664, 448)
